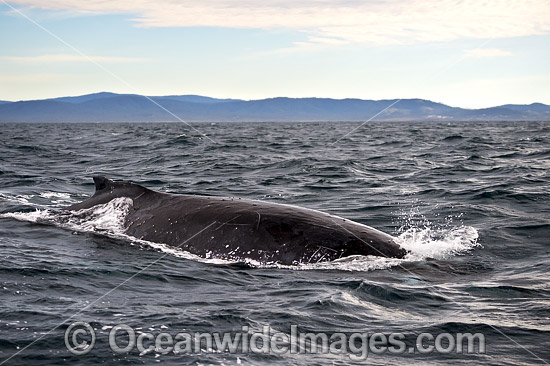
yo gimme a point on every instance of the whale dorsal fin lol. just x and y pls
(107, 189)
(101, 183)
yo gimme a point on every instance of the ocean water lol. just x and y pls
(470, 201)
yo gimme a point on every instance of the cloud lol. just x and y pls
(70, 58)
(334, 21)
(486, 53)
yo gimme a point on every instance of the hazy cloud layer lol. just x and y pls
(486, 53)
(70, 58)
(335, 22)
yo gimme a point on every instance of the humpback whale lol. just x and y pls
(241, 229)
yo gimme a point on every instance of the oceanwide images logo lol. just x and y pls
(80, 339)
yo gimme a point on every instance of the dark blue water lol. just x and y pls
(469, 200)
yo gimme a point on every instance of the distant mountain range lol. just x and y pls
(111, 107)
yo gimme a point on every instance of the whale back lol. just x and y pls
(239, 228)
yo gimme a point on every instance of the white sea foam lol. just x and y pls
(55, 195)
(42, 200)
(108, 219)
(40, 216)
(58, 198)
(20, 199)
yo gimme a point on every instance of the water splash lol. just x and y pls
(439, 243)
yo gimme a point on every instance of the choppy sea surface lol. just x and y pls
(470, 201)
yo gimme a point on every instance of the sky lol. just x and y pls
(463, 53)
